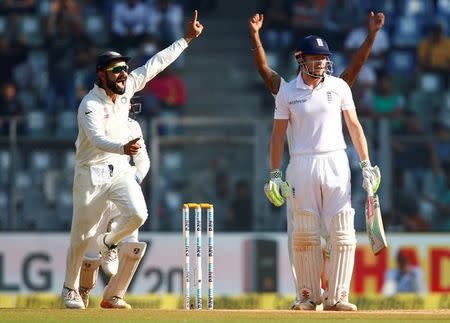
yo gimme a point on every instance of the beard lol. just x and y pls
(114, 86)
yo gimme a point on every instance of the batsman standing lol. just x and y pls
(318, 197)
(102, 170)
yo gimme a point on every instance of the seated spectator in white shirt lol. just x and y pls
(129, 19)
(165, 21)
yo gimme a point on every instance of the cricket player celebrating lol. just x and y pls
(119, 272)
(102, 170)
(274, 82)
(318, 174)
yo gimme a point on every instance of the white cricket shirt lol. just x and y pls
(315, 115)
(102, 124)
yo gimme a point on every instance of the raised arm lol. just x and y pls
(351, 72)
(271, 78)
(141, 75)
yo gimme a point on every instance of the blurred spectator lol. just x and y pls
(406, 278)
(433, 52)
(12, 53)
(203, 6)
(240, 217)
(220, 198)
(307, 17)
(129, 19)
(380, 46)
(165, 96)
(63, 26)
(438, 193)
(277, 33)
(340, 17)
(364, 87)
(165, 21)
(441, 145)
(389, 104)
(18, 6)
(10, 107)
(412, 155)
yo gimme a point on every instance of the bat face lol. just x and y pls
(374, 225)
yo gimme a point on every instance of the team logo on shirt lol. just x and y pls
(123, 100)
(297, 101)
(329, 97)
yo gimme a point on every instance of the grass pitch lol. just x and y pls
(219, 316)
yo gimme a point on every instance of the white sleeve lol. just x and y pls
(141, 159)
(281, 106)
(92, 122)
(140, 76)
(347, 97)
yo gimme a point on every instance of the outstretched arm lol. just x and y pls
(375, 24)
(271, 78)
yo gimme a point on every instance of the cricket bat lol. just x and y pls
(374, 224)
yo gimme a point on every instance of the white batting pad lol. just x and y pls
(307, 255)
(342, 244)
(88, 272)
(130, 254)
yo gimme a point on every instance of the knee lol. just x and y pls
(138, 219)
(306, 231)
(343, 228)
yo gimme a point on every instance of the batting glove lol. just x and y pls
(371, 177)
(276, 189)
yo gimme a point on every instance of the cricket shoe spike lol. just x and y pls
(115, 302)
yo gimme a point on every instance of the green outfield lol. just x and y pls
(229, 316)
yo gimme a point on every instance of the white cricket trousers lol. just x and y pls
(90, 201)
(319, 184)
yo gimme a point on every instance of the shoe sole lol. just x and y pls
(106, 304)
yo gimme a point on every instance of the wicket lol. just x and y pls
(198, 274)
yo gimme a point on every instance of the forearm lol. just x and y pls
(359, 141)
(276, 151)
(351, 72)
(271, 78)
(157, 63)
(105, 144)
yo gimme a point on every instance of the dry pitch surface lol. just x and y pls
(149, 315)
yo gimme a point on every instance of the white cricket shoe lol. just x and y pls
(110, 262)
(72, 298)
(306, 305)
(84, 294)
(340, 306)
(115, 302)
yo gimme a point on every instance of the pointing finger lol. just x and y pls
(195, 16)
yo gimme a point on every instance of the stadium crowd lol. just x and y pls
(47, 49)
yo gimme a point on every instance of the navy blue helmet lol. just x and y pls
(312, 45)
